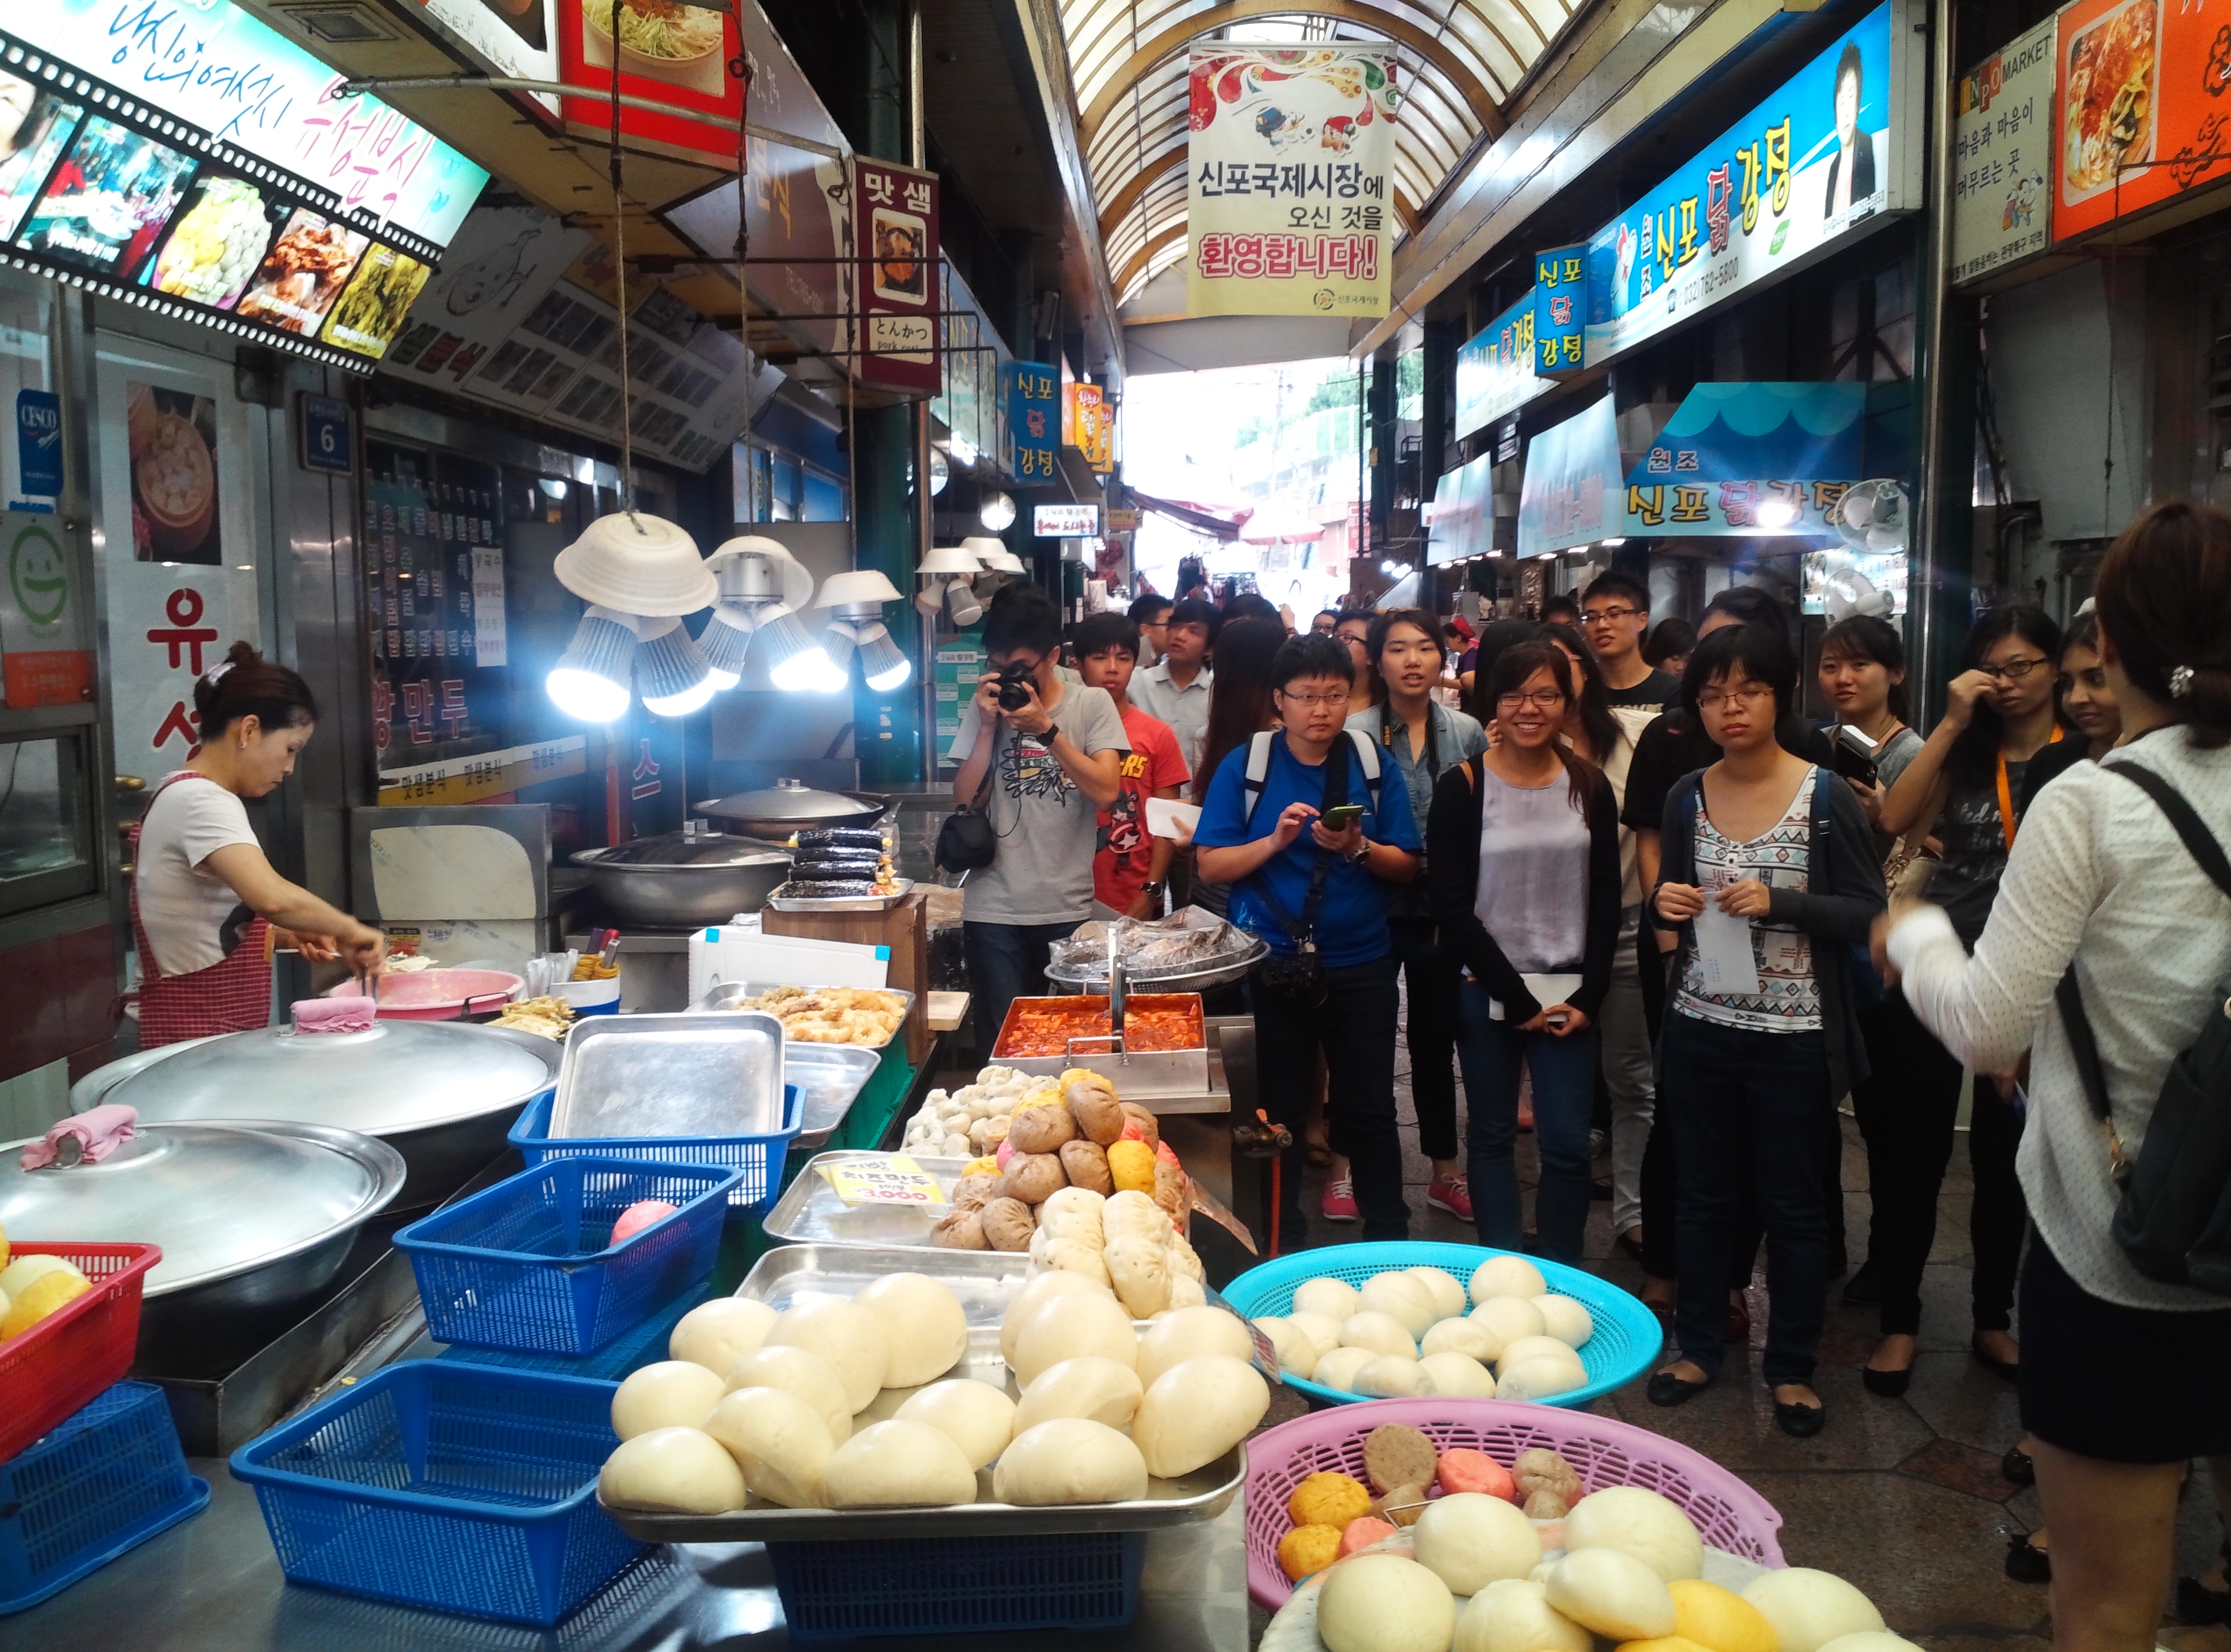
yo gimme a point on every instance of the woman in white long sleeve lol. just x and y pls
(2124, 1378)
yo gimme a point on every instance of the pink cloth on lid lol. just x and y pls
(97, 1131)
(335, 1014)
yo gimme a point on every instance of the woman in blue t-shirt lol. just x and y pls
(1315, 892)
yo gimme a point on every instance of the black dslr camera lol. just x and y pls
(1013, 694)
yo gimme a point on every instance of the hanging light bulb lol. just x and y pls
(670, 670)
(726, 641)
(940, 471)
(1775, 513)
(962, 604)
(590, 681)
(856, 601)
(997, 512)
(881, 662)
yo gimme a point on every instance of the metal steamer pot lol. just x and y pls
(688, 879)
(255, 1216)
(791, 806)
(442, 1094)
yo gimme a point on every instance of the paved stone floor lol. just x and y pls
(1904, 1497)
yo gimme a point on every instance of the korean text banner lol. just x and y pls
(2141, 99)
(2003, 154)
(1819, 163)
(1034, 415)
(248, 85)
(1495, 369)
(1288, 199)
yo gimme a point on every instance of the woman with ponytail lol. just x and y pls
(207, 909)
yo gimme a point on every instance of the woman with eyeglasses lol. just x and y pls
(1965, 788)
(1523, 860)
(1769, 876)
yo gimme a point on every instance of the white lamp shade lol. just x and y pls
(637, 564)
(1004, 561)
(865, 586)
(948, 559)
(984, 547)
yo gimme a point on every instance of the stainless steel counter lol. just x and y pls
(213, 1586)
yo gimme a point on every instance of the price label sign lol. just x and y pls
(883, 1179)
(328, 441)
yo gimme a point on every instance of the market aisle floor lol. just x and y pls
(1904, 1497)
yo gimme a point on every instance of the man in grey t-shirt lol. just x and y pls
(1054, 761)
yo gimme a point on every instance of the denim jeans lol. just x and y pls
(1005, 962)
(1564, 1070)
(1355, 1027)
(1430, 1032)
(1750, 1107)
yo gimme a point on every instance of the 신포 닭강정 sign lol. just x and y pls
(1289, 200)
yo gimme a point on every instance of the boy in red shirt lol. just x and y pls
(1130, 868)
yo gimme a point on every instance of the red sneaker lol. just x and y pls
(1452, 1193)
(1340, 1201)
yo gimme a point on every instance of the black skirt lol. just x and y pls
(2167, 1401)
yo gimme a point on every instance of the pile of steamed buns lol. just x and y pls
(1405, 1333)
(838, 1404)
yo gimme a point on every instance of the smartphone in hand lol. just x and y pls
(1852, 756)
(1340, 817)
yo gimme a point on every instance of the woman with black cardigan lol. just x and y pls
(1522, 860)
(1767, 873)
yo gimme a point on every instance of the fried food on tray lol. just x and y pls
(861, 1016)
(549, 1016)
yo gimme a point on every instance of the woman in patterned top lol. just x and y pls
(1768, 872)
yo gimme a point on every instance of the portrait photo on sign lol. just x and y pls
(109, 198)
(35, 125)
(901, 275)
(172, 434)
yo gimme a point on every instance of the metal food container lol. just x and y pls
(985, 1282)
(791, 806)
(727, 998)
(829, 1077)
(669, 1075)
(441, 1093)
(1137, 1074)
(810, 1213)
(683, 880)
(254, 1217)
(787, 902)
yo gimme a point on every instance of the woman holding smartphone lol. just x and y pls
(1769, 875)
(1522, 856)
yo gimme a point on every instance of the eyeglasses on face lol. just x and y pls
(1750, 696)
(1607, 616)
(1540, 700)
(1313, 702)
(2014, 669)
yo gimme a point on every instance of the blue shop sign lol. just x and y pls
(1034, 417)
(1495, 369)
(39, 443)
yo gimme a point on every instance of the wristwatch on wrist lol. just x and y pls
(1154, 889)
(1360, 853)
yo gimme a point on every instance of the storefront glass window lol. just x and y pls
(824, 501)
(1871, 327)
(46, 833)
(783, 499)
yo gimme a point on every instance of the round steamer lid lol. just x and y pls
(401, 1076)
(683, 849)
(218, 1198)
(787, 800)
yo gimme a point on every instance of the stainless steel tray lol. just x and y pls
(722, 1000)
(1138, 1075)
(810, 1213)
(985, 1282)
(783, 903)
(669, 1075)
(1226, 969)
(829, 1078)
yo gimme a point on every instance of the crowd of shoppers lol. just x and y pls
(1631, 887)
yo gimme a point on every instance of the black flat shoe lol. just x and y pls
(2026, 1564)
(2016, 1467)
(1667, 1389)
(1889, 1384)
(2197, 1603)
(1600, 1188)
(1863, 1289)
(1630, 1246)
(2009, 1370)
(1801, 1421)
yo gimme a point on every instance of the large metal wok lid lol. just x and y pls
(400, 1077)
(220, 1198)
(790, 805)
(669, 851)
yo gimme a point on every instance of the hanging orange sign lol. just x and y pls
(2142, 112)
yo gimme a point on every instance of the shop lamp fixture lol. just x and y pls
(636, 563)
(760, 586)
(857, 600)
(940, 471)
(997, 512)
(590, 681)
(948, 568)
(670, 672)
(1775, 513)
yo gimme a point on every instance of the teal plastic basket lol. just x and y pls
(1627, 1341)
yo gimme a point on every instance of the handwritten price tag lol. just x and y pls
(883, 1179)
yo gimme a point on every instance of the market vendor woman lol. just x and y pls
(206, 906)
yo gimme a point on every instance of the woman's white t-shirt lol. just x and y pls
(182, 903)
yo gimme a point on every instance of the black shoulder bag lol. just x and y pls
(966, 842)
(2173, 1221)
(1301, 977)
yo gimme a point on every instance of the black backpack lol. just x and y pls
(2173, 1221)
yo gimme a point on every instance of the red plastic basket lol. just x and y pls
(61, 1365)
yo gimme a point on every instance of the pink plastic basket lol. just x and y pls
(1728, 1514)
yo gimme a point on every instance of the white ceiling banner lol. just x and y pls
(1289, 201)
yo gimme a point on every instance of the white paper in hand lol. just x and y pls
(1725, 957)
(1162, 810)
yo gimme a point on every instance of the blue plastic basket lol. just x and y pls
(759, 1157)
(525, 1266)
(1627, 1336)
(958, 1586)
(101, 1480)
(460, 1487)
(625, 1355)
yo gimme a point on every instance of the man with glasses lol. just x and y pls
(1151, 614)
(1308, 826)
(1614, 612)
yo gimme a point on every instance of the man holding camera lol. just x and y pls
(1045, 757)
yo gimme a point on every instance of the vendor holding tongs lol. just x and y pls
(207, 908)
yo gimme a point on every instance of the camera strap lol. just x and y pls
(1335, 794)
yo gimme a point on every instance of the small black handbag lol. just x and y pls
(966, 842)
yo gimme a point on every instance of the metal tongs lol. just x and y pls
(1118, 985)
